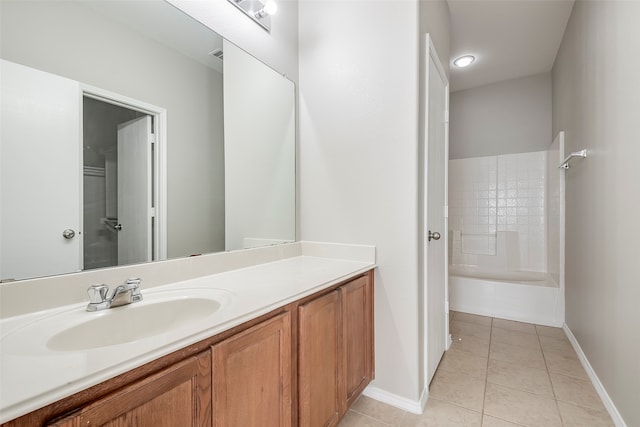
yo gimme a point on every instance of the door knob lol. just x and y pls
(68, 234)
(433, 236)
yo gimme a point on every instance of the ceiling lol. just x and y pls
(509, 38)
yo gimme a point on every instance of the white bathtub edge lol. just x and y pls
(602, 392)
(522, 303)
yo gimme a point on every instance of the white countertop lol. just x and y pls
(33, 376)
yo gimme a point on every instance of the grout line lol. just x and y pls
(370, 417)
(553, 390)
(523, 391)
(516, 331)
(457, 405)
(586, 379)
(502, 419)
(486, 376)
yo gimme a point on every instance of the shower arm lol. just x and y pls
(578, 154)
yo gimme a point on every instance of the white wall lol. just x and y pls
(259, 152)
(435, 19)
(359, 159)
(513, 116)
(596, 101)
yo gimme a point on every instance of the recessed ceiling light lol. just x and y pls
(464, 61)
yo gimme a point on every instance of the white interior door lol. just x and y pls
(135, 209)
(40, 173)
(436, 212)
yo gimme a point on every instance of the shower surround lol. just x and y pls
(504, 231)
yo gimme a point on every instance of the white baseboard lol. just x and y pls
(413, 406)
(608, 403)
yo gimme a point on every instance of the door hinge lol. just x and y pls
(152, 212)
(446, 211)
(152, 139)
(446, 116)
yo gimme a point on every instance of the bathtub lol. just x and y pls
(525, 296)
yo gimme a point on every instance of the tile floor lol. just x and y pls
(498, 373)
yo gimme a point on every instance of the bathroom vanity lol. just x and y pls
(291, 344)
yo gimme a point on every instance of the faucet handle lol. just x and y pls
(133, 282)
(134, 285)
(98, 293)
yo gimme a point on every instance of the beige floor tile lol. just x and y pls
(557, 345)
(531, 380)
(354, 419)
(458, 388)
(548, 331)
(514, 326)
(476, 346)
(473, 318)
(442, 414)
(579, 416)
(488, 421)
(574, 390)
(521, 407)
(465, 329)
(464, 362)
(522, 356)
(566, 365)
(381, 411)
(521, 339)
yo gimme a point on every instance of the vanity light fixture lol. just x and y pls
(270, 8)
(464, 61)
(258, 10)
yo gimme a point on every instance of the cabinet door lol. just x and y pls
(319, 362)
(177, 396)
(357, 315)
(252, 376)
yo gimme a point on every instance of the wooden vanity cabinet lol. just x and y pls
(252, 376)
(357, 338)
(319, 361)
(177, 396)
(335, 352)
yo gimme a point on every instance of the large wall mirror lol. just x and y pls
(132, 133)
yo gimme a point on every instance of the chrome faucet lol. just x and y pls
(124, 294)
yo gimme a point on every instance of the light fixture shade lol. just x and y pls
(270, 7)
(464, 61)
(258, 10)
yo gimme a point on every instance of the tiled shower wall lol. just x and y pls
(473, 204)
(488, 195)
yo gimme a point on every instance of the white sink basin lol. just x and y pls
(132, 322)
(160, 312)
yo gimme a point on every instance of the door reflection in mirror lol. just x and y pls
(102, 216)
